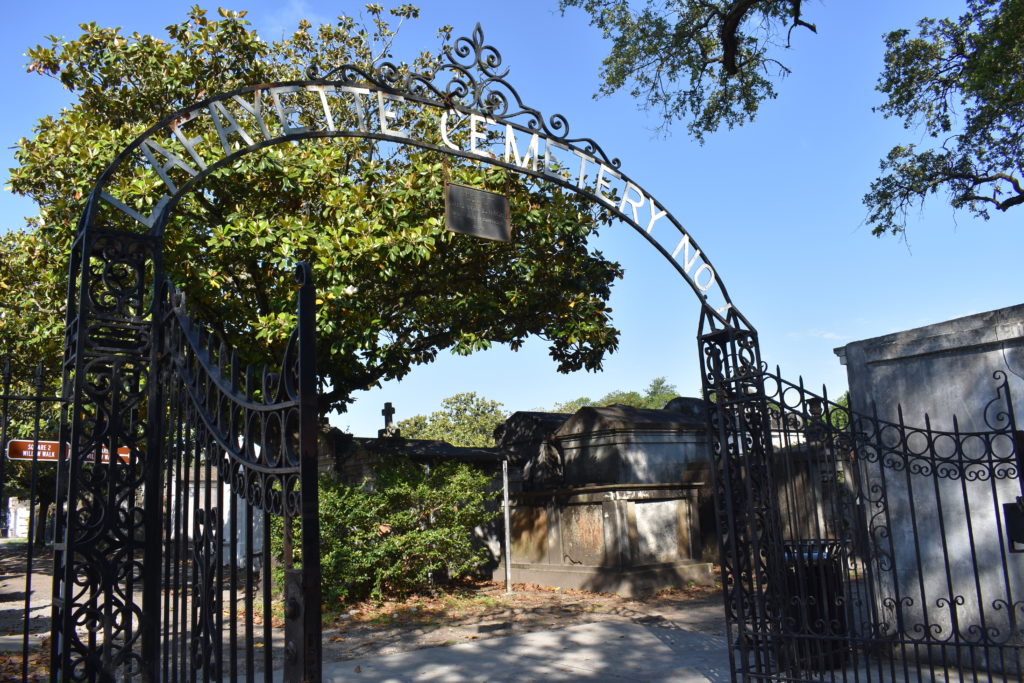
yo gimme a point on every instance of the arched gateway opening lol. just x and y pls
(148, 583)
(140, 374)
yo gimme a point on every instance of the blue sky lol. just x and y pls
(776, 204)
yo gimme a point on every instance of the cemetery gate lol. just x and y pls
(859, 549)
(162, 565)
(177, 465)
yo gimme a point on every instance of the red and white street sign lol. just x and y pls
(21, 449)
(46, 451)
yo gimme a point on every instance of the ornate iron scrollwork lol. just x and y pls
(475, 82)
(97, 558)
(906, 513)
(252, 415)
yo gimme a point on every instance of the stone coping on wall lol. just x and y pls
(633, 437)
(589, 421)
(969, 332)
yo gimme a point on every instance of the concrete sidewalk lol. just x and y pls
(600, 651)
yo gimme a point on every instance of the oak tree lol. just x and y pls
(714, 62)
(962, 82)
(709, 62)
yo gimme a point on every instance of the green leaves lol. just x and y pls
(658, 393)
(394, 287)
(710, 63)
(410, 523)
(32, 291)
(464, 419)
(959, 80)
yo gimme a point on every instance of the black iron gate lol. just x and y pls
(29, 417)
(238, 447)
(207, 455)
(856, 549)
(178, 464)
(852, 548)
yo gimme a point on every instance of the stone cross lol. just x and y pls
(389, 431)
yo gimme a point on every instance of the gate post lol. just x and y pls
(153, 465)
(302, 588)
(749, 524)
(99, 523)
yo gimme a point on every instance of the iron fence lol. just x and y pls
(238, 450)
(197, 571)
(29, 433)
(893, 560)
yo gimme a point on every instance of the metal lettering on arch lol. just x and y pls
(475, 100)
(161, 559)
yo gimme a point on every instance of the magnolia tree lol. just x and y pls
(394, 287)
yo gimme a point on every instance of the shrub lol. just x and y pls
(387, 538)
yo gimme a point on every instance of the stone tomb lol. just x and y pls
(955, 524)
(611, 499)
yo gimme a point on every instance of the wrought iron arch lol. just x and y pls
(474, 89)
(114, 342)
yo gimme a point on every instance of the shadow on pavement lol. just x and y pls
(597, 651)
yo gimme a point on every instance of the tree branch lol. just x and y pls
(797, 21)
(727, 33)
(731, 22)
(1001, 205)
(1015, 200)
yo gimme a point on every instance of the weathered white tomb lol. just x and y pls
(954, 573)
(610, 499)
